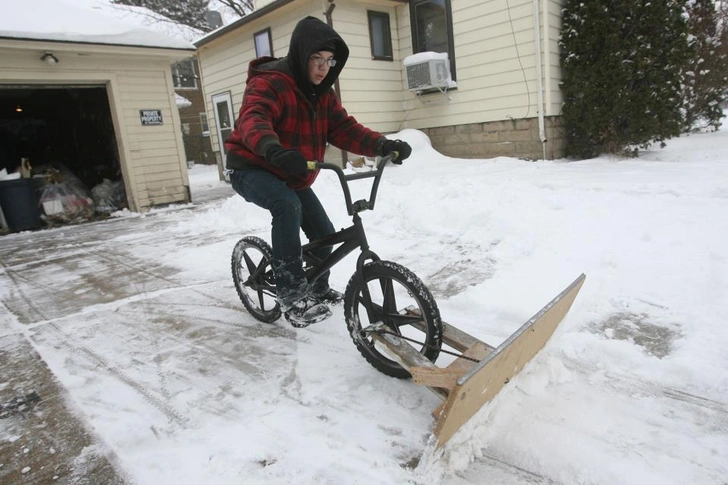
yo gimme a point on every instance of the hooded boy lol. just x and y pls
(289, 114)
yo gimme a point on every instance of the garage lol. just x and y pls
(68, 125)
(86, 97)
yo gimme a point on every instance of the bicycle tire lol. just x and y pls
(392, 288)
(254, 280)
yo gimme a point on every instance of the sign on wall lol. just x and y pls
(151, 117)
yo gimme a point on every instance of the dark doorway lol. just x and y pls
(69, 125)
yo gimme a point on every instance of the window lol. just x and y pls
(203, 124)
(263, 44)
(379, 35)
(183, 74)
(222, 106)
(432, 28)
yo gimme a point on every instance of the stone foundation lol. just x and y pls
(511, 138)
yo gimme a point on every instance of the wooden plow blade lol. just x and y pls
(465, 384)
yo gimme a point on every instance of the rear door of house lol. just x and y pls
(222, 104)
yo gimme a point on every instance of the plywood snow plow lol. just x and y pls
(482, 370)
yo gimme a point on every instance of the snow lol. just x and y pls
(181, 101)
(185, 387)
(90, 21)
(423, 57)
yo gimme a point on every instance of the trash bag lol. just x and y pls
(64, 198)
(109, 196)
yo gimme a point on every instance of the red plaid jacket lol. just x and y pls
(276, 111)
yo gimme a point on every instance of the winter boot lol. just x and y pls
(329, 296)
(306, 311)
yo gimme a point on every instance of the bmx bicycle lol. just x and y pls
(380, 297)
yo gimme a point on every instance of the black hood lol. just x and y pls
(310, 36)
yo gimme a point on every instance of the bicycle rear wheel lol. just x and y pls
(403, 303)
(254, 279)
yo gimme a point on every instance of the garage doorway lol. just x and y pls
(53, 124)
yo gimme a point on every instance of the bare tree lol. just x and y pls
(240, 7)
(187, 12)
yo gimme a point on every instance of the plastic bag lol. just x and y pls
(66, 202)
(109, 196)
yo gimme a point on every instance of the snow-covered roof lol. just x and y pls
(91, 21)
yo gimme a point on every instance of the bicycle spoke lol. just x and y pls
(260, 269)
(390, 301)
(396, 294)
(254, 280)
(400, 320)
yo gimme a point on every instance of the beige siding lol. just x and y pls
(495, 67)
(224, 61)
(371, 90)
(152, 157)
(552, 61)
(495, 52)
(495, 58)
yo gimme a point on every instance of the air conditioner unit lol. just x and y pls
(428, 74)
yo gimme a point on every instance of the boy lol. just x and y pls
(289, 114)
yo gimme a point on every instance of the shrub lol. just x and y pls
(622, 66)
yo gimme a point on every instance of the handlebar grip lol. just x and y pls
(311, 165)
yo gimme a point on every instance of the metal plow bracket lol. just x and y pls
(466, 385)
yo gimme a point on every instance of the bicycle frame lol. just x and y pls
(350, 238)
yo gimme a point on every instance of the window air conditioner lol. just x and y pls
(428, 74)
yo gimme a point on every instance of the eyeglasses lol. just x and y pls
(320, 61)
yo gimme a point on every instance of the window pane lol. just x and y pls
(432, 28)
(431, 25)
(380, 39)
(377, 40)
(183, 74)
(263, 44)
(223, 112)
(203, 124)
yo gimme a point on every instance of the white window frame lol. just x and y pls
(262, 40)
(228, 116)
(203, 123)
(176, 75)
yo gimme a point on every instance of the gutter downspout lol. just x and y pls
(337, 88)
(539, 75)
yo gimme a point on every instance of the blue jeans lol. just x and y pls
(292, 210)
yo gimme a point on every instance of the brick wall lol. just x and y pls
(198, 147)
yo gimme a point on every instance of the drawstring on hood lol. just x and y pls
(312, 35)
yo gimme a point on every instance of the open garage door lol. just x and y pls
(68, 126)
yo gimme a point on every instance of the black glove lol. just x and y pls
(399, 146)
(288, 160)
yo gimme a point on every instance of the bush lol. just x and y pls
(622, 66)
(706, 75)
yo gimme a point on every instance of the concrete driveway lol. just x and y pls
(49, 277)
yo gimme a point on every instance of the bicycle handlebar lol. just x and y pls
(359, 205)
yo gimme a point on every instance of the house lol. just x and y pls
(185, 77)
(495, 93)
(192, 114)
(93, 92)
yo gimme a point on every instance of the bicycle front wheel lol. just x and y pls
(254, 280)
(402, 303)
